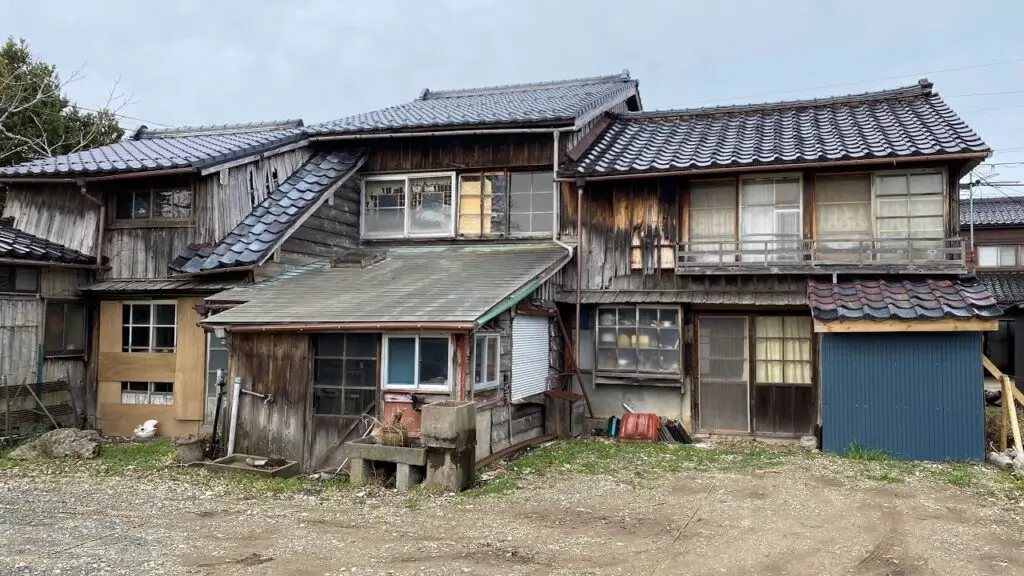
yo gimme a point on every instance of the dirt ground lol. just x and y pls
(795, 515)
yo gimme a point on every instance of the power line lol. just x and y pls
(992, 108)
(983, 94)
(823, 87)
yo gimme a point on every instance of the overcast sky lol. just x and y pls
(218, 61)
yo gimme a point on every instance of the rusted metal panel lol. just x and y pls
(460, 153)
(57, 212)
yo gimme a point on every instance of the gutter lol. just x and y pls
(776, 167)
(108, 178)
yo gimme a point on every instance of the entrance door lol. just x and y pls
(724, 369)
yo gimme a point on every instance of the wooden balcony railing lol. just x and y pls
(792, 254)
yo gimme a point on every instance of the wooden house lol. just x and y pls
(745, 268)
(132, 208)
(994, 229)
(440, 283)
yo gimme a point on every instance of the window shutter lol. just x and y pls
(530, 348)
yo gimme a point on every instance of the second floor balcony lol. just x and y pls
(784, 254)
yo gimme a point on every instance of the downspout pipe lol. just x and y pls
(236, 393)
(579, 259)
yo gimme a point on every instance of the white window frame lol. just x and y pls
(1018, 261)
(385, 360)
(777, 244)
(487, 338)
(152, 326)
(149, 394)
(450, 233)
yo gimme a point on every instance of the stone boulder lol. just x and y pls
(60, 443)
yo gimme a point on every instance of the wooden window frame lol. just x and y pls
(487, 338)
(64, 351)
(13, 272)
(126, 347)
(999, 260)
(150, 394)
(151, 221)
(508, 210)
(344, 385)
(622, 372)
(417, 386)
(406, 234)
(775, 253)
(875, 176)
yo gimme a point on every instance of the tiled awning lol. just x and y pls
(901, 300)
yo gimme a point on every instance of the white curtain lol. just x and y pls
(770, 220)
(843, 216)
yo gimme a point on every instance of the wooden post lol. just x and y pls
(1004, 425)
(1012, 408)
(7, 406)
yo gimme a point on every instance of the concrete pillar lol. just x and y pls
(360, 471)
(407, 476)
(451, 470)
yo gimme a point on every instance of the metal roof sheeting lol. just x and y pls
(162, 285)
(905, 122)
(421, 284)
(21, 245)
(897, 299)
(257, 234)
(513, 104)
(187, 147)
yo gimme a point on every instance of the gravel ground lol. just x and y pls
(806, 515)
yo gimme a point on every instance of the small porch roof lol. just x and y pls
(427, 286)
(900, 300)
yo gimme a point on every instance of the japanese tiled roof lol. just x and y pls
(261, 230)
(904, 122)
(187, 147)
(993, 212)
(896, 299)
(19, 245)
(563, 101)
(1006, 287)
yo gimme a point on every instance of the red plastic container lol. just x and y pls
(639, 427)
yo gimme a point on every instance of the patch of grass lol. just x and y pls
(418, 495)
(131, 456)
(636, 461)
(886, 476)
(855, 452)
(957, 473)
(1014, 483)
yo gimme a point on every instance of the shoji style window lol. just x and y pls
(713, 219)
(843, 216)
(770, 220)
(909, 206)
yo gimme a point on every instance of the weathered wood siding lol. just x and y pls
(62, 283)
(278, 364)
(20, 337)
(460, 153)
(73, 371)
(57, 212)
(334, 225)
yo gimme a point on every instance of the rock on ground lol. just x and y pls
(60, 443)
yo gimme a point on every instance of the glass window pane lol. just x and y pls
(892, 185)
(543, 201)
(648, 317)
(141, 204)
(26, 279)
(479, 359)
(384, 213)
(74, 327)
(988, 256)
(164, 339)
(926, 183)
(361, 373)
(329, 345)
(328, 372)
(140, 314)
(606, 337)
(163, 387)
(401, 360)
(433, 360)
(126, 314)
(520, 203)
(125, 338)
(627, 316)
(360, 346)
(123, 206)
(787, 192)
(520, 182)
(357, 402)
(327, 400)
(493, 355)
(669, 317)
(165, 315)
(519, 224)
(430, 205)
(543, 182)
(1007, 255)
(140, 338)
(218, 360)
(542, 223)
(53, 338)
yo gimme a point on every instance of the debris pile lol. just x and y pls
(60, 443)
(1010, 460)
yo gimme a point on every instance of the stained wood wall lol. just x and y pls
(57, 212)
(278, 364)
(334, 225)
(458, 153)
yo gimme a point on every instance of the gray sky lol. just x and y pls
(217, 61)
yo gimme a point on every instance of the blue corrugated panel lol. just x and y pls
(918, 396)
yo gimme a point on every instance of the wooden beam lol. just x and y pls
(995, 372)
(1011, 410)
(943, 325)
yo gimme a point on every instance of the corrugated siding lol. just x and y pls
(20, 325)
(529, 356)
(915, 395)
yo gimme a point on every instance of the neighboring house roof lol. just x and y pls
(896, 299)
(270, 221)
(411, 284)
(1006, 287)
(905, 122)
(566, 101)
(145, 150)
(148, 285)
(18, 245)
(993, 212)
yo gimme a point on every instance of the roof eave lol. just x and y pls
(546, 126)
(77, 177)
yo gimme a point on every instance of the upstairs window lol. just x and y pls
(999, 256)
(408, 206)
(153, 205)
(483, 204)
(531, 203)
(909, 207)
(770, 219)
(19, 279)
(148, 327)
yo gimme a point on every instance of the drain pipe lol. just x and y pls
(579, 259)
(235, 395)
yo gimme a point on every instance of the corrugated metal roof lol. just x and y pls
(993, 212)
(187, 147)
(513, 104)
(1007, 287)
(21, 245)
(162, 285)
(264, 227)
(421, 284)
(896, 299)
(910, 121)
(794, 298)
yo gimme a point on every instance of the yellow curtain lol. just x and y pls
(783, 349)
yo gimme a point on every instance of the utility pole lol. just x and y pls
(971, 189)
